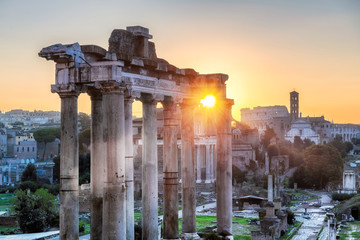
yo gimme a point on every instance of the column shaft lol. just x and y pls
(149, 170)
(114, 209)
(170, 168)
(69, 169)
(98, 156)
(129, 166)
(207, 163)
(224, 170)
(198, 164)
(188, 171)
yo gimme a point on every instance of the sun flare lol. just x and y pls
(208, 101)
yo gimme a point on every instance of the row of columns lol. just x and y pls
(206, 160)
(112, 188)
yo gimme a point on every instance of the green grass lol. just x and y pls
(290, 234)
(5, 201)
(242, 237)
(3, 228)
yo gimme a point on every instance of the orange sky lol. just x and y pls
(267, 49)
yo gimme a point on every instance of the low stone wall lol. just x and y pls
(8, 222)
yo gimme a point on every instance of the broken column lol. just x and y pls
(129, 166)
(149, 169)
(188, 171)
(170, 168)
(98, 156)
(224, 169)
(114, 209)
(69, 166)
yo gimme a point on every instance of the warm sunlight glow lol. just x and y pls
(208, 101)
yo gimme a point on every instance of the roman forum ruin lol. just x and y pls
(130, 70)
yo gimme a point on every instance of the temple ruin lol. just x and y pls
(130, 70)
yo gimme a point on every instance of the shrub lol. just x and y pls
(341, 196)
(35, 211)
(31, 185)
(212, 236)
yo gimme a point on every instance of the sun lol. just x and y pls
(208, 101)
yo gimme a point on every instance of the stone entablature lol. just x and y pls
(128, 71)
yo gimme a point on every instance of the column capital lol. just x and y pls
(66, 90)
(148, 98)
(94, 93)
(189, 103)
(110, 87)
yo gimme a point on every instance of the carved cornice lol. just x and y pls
(67, 90)
(110, 87)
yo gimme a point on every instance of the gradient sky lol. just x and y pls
(268, 48)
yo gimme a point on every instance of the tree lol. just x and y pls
(348, 146)
(29, 173)
(46, 135)
(323, 165)
(84, 141)
(267, 136)
(84, 121)
(273, 150)
(35, 211)
(298, 143)
(2, 125)
(84, 168)
(56, 170)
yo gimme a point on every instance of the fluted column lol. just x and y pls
(224, 169)
(188, 171)
(69, 167)
(170, 168)
(198, 164)
(149, 169)
(114, 209)
(129, 166)
(98, 158)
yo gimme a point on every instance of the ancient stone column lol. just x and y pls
(98, 156)
(188, 171)
(114, 209)
(207, 163)
(267, 170)
(170, 168)
(129, 166)
(224, 169)
(198, 164)
(69, 167)
(270, 189)
(9, 174)
(149, 169)
(212, 163)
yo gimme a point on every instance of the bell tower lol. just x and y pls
(294, 105)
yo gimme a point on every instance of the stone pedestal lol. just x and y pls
(98, 156)
(69, 168)
(114, 209)
(224, 168)
(129, 166)
(149, 169)
(170, 168)
(188, 171)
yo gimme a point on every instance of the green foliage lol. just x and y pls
(31, 185)
(212, 236)
(84, 140)
(267, 136)
(84, 120)
(343, 147)
(29, 173)
(238, 175)
(84, 168)
(35, 211)
(341, 196)
(2, 125)
(47, 135)
(323, 165)
(298, 143)
(290, 216)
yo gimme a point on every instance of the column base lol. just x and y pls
(198, 181)
(188, 236)
(230, 237)
(208, 181)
